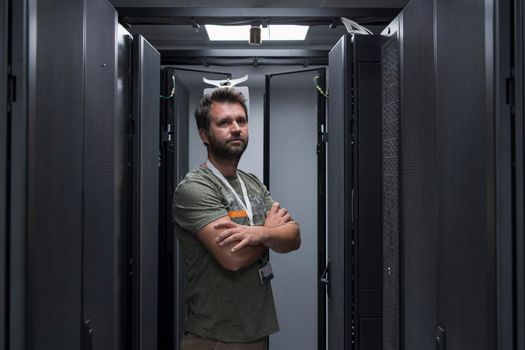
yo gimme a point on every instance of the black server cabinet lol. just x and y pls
(145, 194)
(466, 301)
(68, 201)
(451, 92)
(519, 177)
(390, 173)
(104, 175)
(410, 245)
(22, 99)
(3, 165)
(75, 212)
(55, 181)
(354, 194)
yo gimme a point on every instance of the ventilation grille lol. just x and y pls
(390, 170)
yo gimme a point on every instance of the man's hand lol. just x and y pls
(279, 233)
(229, 260)
(247, 235)
(277, 216)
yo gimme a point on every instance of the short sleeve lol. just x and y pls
(196, 203)
(268, 200)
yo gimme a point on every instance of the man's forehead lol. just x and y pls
(226, 103)
(217, 106)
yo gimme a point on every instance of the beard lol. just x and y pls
(228, 150)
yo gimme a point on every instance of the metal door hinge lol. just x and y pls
(11, 89)
(87, 336)
(167, 135)
(323, 134)
(352, 205)
(510, 91)
(441, 339)
(322, 139)
(325, 278)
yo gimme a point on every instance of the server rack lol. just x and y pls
(354, 194)
(390, 170)
(103, 225)
(66, 195)
(51, 241)
(455, 183)
(4, 29)
(145, 194)
(519, 154)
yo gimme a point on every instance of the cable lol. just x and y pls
(353, 27)
(172, 90)
(316, 78)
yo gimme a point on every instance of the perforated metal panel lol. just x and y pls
(55, 180)
(103, 253)
(465, 144)
(3, 159)
(419, 180)
(391, 203)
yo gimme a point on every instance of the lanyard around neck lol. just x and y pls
(247, 206)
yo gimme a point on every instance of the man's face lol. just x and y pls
(228, 132)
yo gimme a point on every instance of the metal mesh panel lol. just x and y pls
(465, 150)
(419, 243)
(54, 181)
(390, 168)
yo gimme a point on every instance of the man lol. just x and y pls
(226, 221)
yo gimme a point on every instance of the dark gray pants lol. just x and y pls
(192, 342)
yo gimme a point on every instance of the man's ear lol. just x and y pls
(204, 135)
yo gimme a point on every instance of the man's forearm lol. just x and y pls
(282, 239)
(246, 256)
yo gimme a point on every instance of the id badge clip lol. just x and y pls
(266, 273)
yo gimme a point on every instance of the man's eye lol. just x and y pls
(241, 122)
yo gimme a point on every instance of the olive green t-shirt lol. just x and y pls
(221, 304)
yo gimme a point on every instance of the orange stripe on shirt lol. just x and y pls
(237, 214)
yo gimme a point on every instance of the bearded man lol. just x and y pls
(226, 222)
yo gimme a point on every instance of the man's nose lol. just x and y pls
(236, 127)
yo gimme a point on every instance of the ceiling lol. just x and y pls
(176, 27)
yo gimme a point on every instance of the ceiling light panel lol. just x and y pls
(271, 33)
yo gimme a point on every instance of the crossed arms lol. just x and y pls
(236, 246)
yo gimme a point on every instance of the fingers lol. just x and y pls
(225, 225)
(232, 238)
(274, 208)
(241, 245)
(287, 218)
(282, 212)
(224, 234)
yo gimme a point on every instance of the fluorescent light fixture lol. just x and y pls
(285, 32)
(241, 33)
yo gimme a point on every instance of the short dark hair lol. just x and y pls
(202, 112)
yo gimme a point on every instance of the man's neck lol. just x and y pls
(227, 167)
